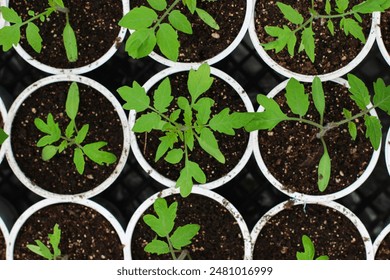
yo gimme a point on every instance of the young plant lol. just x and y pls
(298, 102)
(191, 121)
(309, 250)
(10, 35)
(150, 29)
(163, 225)
(350, 20)
(72, 136)
(44, 251)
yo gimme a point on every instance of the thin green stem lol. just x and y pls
(335, 16)
(171, 248)
(166, 13)
(305, 121)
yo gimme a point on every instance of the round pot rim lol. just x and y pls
(379, 40)
(305, 197)
(76, 70)
(224, 53)
(332, 204)
(4, 116)
(52, 201)
(378, 241)
(387, 151)
(5, 232)
(196, 190)
(121, 115)
(171, 183)
(308, 78)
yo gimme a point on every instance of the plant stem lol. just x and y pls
(306, 121)
(166, 13)
(171, 248)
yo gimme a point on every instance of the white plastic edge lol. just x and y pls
(221, 55)
(379, 239)
(340, 208)
(117, 107)
(196, 190)
(387, 151)
(166, 181)
(4, 115)
(5, 232)
(78, 70)
(308, 78)
(48, 202)
(379, 40)
(2, 21)
(306, 197)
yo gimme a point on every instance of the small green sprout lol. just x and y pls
(72, 137)
(191, 122)
(298, 102)
(163, 225)
(350, 23)
(44, 251)
(151, 30)
(309, 250)
(10, 35)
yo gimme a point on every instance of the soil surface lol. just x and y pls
(59, 174)
(291, 151)
(232, 147)
(206, 42)
(332, 233)
(85, 234)
(2, 246)
(94, 22)
(332, 52)
(219, 237)
(383, 252)
(385, 29)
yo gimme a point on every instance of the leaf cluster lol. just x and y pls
(151, 30)
(163, 224)
(72, 136)
(350, 23)
(309, 250)
(44, 251)
(11, 35)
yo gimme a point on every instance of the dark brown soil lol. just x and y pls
(385, 29)
(332, 233)
(383, 252)
(86, 234)
(332, 52)
(219, 237)
(2, 246)
(292, 152)
(206, 42)
(94, 22)
(232, 147)
(59, 175)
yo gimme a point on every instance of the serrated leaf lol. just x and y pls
(284, 37)
(10, 15)
(351, 26)
(158, 5)
(135, 97)
(33, 37)
(318, 96)
(48, 152)
(189, 139)
(163, 223)
(308, 43)
(373, 130)
(72, 101)
(80, 137)
(54, 240)
(93, 152)
(199, 81)
(370, 6)
(183, 234)
(168, 41)
(9, 36)
(222, 123)
(290, 13)
(185, 183)
(328, 7)
(382, 95)
(166, 143)
(70, 43)
(78, 160)
(324, 170)
(203, 108)
(42, 126)
(138, 18)
(162, 96)
(157, 247)
(359, 91)
(147, 122)
(341, 5)
(330, 26)
(209, 143)
(40, 249)
(297, 99)
(351, 125)
(141, 43)
(174, 156)
(180, 22)
(207, 18)
(308, 247)
(174, 116)
(184, 104)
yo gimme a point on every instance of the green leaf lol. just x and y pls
(72, 101)
(180, 22)
(191, 5)
(330, 26)
(308, 43)
(358, 17)
(138, 18)
(328, 7)
(359, 91)
(166, 143)
(222, 123)
(324, 170)
(80, 137)
(199, 81)
(162, 96)
(241, 119)
(183, 104)
(370, 6)
(40, 249)
(51, 128)
(351, 26)
(10, 15)
(373, 130)
(147, 122)
(209, 143)
(9, 36)
(93, 152)
(351, 125)
(163, 223)
(48, 152)
(54, 239)
(168, 41)
(382, 95)
(342, 5)
(318, 96)
(78, 160)
(70, 43)
(42, 126)
(203, 106)
(322, 258)
(62, 146)
(207, 18)
(190, 170)
(3, 136)
(290, 13)
(33, 37)
(297, 99)
(189, 139)
(285, 37)
(141, 43)
(158, 5)
(174, 116)
(182, 235)
(308, 247)
(70, 129)
(135, 97)
(157, 247)
(174, 156)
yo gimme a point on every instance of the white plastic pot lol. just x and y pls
(212, 60)
(160, 177)
(387, 151)
(47, 203)
(5, 232)
(379, 40)
(196, 190)
(78, 70)
(378, 241)
(308, 78)
(331, 204)
(2, 21)
(305, 197)
(67, 78)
